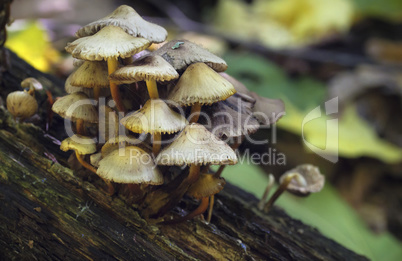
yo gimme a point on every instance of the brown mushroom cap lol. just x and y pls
(232, 117)
(196, 145)
(154, 117)
(122, 141)
(109, 42)
(21, 104)
(206, 186)
(130, 165)
(76, 106)
(31, 83)
(311, 180)
(81, 144)
(182, 53)
(200, 84)
(130, 21)
(266, 111)
(90, 75)
(150, 67)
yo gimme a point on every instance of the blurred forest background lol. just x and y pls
(304, 52)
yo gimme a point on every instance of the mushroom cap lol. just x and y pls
(130, 165)
(81, 144)
(90, 75)
(311, 180)
(21, 104)
(31, 82)
(206, 186)
(266, 111)
(111, 42)
(130, 21)
(150, 67)
(122, 141)
(104, 92)
(196, 145)
(154, 117)
(95, 158)
(76, 106)
(182, 53)
(200, 84)
(232, 117)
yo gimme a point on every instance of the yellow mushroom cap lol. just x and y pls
(182, 53)
(196, 145)
(206, 186)
(154, 117)
(90, 75)
(104, 92)
(130, 21)
(122, 141)
(111, 42)
(200, 84)
(81, 144)
(130, 165)
(150, 67)
(76, 106)
(21, 104)
(310, 180)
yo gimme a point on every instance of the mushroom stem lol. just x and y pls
(31, 90)
(271, 182)
(156, 144)
(152, 89)
(195, 112)
(112, 65)
(211, 208)
(193, 174)
(91, 168)
(198, 211)
(282, 187)
(96, 93)
(128, 60)
(80, 127)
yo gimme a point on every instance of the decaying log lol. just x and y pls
(47, 212)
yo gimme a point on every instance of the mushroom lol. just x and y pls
(91, 75)
(21, 104)
(148, 68)
(195, 146)
(77, 108)
(122, 141)
(108, 123)
(200, 85)
(130, 21)
(108, 44)
(155, 118)
(302, 181)
(130, 164)
(182, 53)
(83, 145)
(32, 84)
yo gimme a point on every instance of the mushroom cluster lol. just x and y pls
(180, 115)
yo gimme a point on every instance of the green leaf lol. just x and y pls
(388, 9)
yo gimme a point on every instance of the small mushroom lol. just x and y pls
(82, 146)
(301, 181)
(104, 45)
(21, 104)
(77, 108)
(91, 75)
(155, 118)
(130, 164)
(150, 68)
(200, 85)
(32, 84)
(182, 53)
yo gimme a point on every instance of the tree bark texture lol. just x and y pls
(48, 212)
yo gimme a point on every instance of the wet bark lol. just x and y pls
(47, 212)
